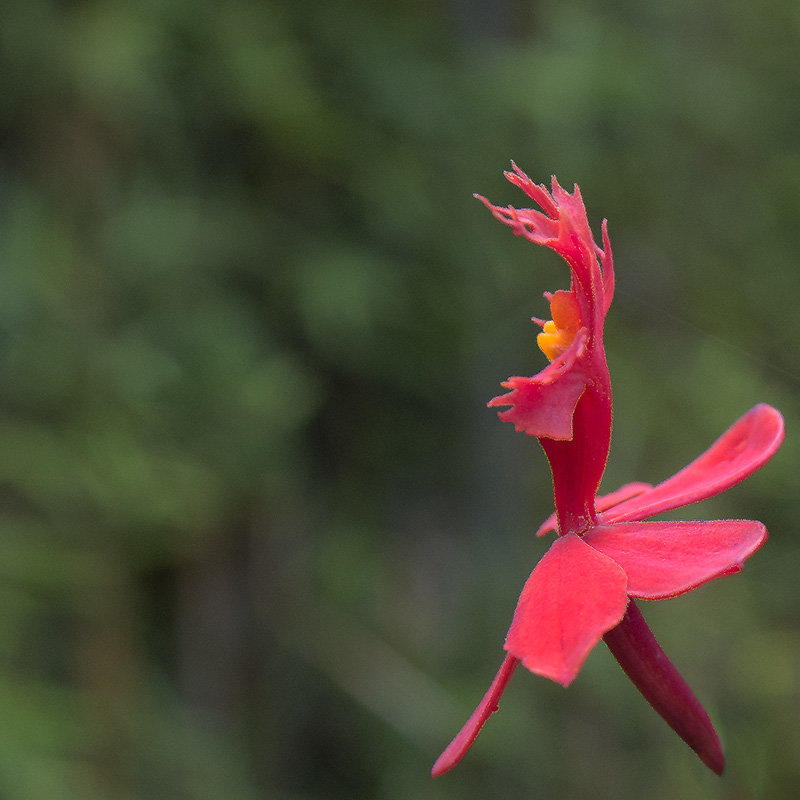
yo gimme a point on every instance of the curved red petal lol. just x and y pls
(665, 559)
(544, 405)
(745, 447)
(463, 740)
(602, 503)
(625, 492)
(573, 596)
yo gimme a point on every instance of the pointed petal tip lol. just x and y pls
(715, 760)
(549, 525)
(440, 766)
(485, 200)
(464, 739)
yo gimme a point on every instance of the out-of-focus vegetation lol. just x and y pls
(259, 536)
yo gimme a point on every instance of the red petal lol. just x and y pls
(536, 191)
(625, 492)
(573, 596)
(745, 447)
(602, 503)
(665, 559)
(548, 526)
(544, 404)
(607, 261)
(457, 749)
(564, 228)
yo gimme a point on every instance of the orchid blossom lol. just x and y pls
(605, 556)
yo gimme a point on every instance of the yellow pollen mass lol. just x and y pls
(553, 341)
(557, 333)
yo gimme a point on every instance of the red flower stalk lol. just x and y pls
(604, 556)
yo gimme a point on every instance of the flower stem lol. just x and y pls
(635, 647)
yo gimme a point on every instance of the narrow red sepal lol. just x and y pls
(463, 740)
(639, 654)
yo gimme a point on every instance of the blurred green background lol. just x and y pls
(259, 535)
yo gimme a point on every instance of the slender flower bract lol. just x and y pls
(606, 554)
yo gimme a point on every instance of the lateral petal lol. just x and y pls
(665, 559)
(573, 596)
(745, 447)
(463, 740)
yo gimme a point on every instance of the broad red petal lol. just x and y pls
(745, 447)
(665, 559)
(602, 503)
(573, 596)
(457, 749)
(544, 404)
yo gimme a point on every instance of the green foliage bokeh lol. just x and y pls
(259, 536)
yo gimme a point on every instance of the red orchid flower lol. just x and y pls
(605, 556)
